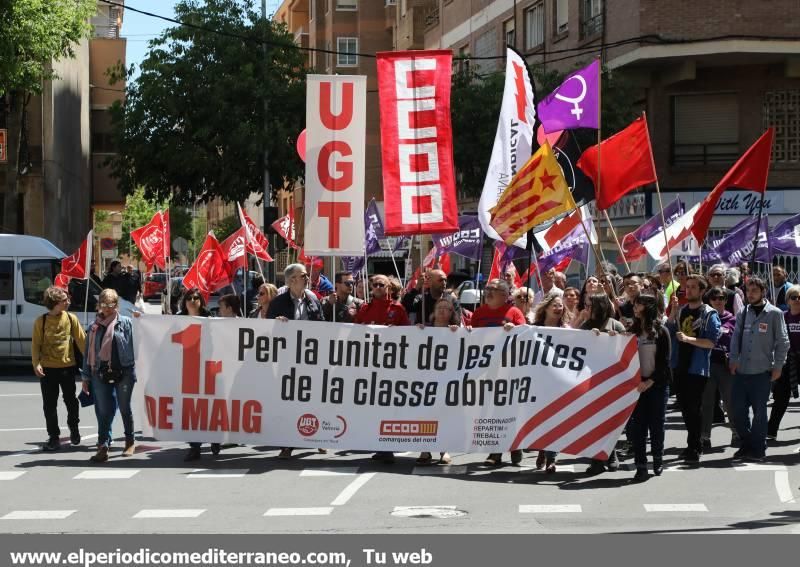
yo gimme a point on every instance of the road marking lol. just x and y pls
(41, 429)
(168, 513)
(559, 468)
(321, 511)
(38, 448)
(11, 475)
(675, 508)
(38, 515)
(108, 474)
(783, 488)
(438, 512)
(440, 470)
(330, 471)
(17, 395)
(350, 490)
(218, 473)
(748, 467)
(549, 508)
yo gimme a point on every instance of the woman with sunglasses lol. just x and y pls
(109, 366)
(266, 293)
(783, 388)
(194, 304)
(523, 300)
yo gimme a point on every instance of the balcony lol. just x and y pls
(591, 26)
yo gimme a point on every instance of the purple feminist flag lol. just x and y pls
(737, 246)
(466, 242)
(574, 103)
(574, 245)
(785, 237)
(373, 228)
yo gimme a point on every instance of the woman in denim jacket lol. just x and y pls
(109, 366)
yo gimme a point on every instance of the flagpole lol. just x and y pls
(658, 192)
(616, 239)
(87, 265)
(422, 276)
(531, 260)
(396, 269)
(599, 145)
(758, 229)
(589, 239)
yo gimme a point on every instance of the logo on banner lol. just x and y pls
(151, 239)
(308, 424)
(405, 428)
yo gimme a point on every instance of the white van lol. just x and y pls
(28, 266)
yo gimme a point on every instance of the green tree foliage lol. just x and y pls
(227, 226)
(192, 125)
(33, 34)
(137, 212)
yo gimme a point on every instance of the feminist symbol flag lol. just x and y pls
(574, 103)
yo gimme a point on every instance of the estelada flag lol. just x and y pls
(255, 241)
(284, 226)
(233, 250)
(537, 192)
(210, 270)
(78, 264)
(750, 173)
(150, 240)
(627, 163)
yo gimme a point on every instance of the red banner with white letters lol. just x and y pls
(419, 189)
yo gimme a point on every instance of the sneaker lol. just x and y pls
(641, 475)
(540, 461)
(612, 464)
(74, 436)
(101, 456)
(740, 454)
(551, 466)
(755, 458)
(493, 460)
(52, 444)
(692, 457)
(597, 467)
(658, 468)
(193, 454)
(130, 448)
(516, 457)
(215, 448)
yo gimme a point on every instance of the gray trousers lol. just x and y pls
(720, 379)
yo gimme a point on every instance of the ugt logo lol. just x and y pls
(202, 411)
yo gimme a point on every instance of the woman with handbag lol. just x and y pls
(58, 344)
(109, 366)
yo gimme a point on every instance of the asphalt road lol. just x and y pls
(249, 490)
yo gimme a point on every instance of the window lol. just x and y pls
(6, 280)
(534, 27)
(346, 49)
(312, 9)
(349, 5)
(508, 32)
(77, 290)
(464, 64)
(561, 16)
(37, 276)
(705, 128)
(591, 18)
(782, 110)
(486, 46)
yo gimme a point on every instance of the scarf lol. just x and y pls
(105, 346)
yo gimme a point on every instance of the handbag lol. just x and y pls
(86, 398)
(108, 374)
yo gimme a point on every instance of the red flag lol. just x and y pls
(209, 271)
(499, 267)
(284, 226)
(151, 242)
(562, 228)
(233, 251)
(62, 281)
(750, 173)
(257, 243)
(77, 265)
(432, 261)
(627, 163)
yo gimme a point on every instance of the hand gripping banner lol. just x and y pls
(308, 384)
(419, 189)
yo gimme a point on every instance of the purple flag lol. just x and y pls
(785, 237)
(632, 243)
(373, 228)
(573, 104)
(737, 246)
(353, 264)
(466, 242)
(710, 253)
(574, 245)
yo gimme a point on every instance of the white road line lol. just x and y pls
(549, 508)
(675, 508)
(38, 449)
(559, 468)
(440, 470)
(41, 428)
(218, 473)
(11, 475)
(749, 467)
(330, 471)
(106, 474)
(18, 395)
(350, 490)
(168, 513)
(322, 511)
(783, 488)
(38, 515)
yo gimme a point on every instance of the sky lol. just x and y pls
(138, 28)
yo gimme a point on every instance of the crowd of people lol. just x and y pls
(720, 337)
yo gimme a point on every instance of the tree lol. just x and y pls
(192, 126)
(138, 212)
(227, 226)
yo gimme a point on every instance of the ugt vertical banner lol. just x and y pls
(419, 189)
(336, 108)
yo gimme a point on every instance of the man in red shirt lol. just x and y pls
(381, 310)
(497, 312)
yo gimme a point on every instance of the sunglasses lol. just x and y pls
(304, 276)
(378, 284)
(793, 298)
(194, 298)
(107, 305)
(348, 283)
(716, 275)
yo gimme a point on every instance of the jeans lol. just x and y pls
(720, 379)
(56, 379)
(751, 391)
(109, 397)
(650, 414)
(781, 392)
(689, 389)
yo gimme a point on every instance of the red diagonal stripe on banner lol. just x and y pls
(615, 421)
(587, 412)
(631, 350)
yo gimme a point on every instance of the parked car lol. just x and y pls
(154, 284)
(28, 266)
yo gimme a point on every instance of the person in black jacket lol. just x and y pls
(651, 409)
(120, 281)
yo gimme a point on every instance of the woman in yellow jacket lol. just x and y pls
(55, 336)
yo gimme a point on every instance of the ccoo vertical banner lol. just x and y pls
(336, 108)
(419, 190)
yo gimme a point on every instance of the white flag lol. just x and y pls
(679, 234)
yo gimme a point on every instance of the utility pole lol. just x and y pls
(266, 200)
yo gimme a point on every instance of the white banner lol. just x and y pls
(336, 109)
(345, 386)
(513, 140)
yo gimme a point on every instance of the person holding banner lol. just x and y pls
(342, 300)
(436, 281)
(497, 312)
(786, 386)
(266, 293)
(524, 301)
(650, 413)
(109, 366)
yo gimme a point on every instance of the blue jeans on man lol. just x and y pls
(109, 397)
(751, 391)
